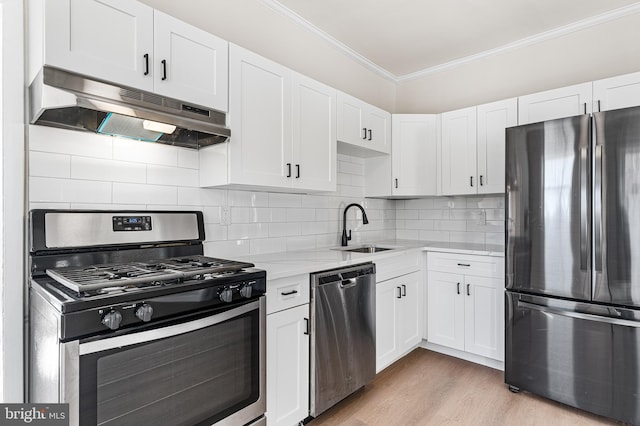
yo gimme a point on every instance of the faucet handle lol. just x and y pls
(349, 237)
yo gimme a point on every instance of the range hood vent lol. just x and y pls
(66, 100)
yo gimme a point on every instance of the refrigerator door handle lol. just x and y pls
(584, 220)
(578, 315)
(597, 211)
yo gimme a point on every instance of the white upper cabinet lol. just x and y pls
(365, 128)
(616, 92)
(412, 169)
(314, 135)
(492, 120)
(459, 152)
(128, 43)
(283, 130)
(190, 64)
(260, 116)
(414, 154)
(557, 103)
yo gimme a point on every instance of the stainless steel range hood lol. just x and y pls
(66, 100)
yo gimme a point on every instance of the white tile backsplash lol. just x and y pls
(79, 170)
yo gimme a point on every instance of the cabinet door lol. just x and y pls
(260, 116)
(459, 152)
(189, 64)
(484, 316)
(287, 366)
(445, 309)
(314, 135)
(414, 154)
(493, 119)
(80, 37)
(378, 125)
(557, 103)
(616, 92)
(351, 128)
(387, 297)
(410, 330)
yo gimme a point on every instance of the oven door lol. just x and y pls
(209, 370)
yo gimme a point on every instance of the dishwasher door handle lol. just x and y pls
(348, 283)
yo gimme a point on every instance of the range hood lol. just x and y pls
(67, 100)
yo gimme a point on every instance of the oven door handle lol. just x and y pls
(164, 332)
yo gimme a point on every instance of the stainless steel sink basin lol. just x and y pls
(366, 249)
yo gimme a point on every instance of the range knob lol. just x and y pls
(112, 319)
(144, 312)
(246, 290)
(226, 295)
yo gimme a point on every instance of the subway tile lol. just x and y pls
(407, 234)
(436, 214)
(211, 214)
(215, 232)
(301, 215)
(301, 243)
(243, 231)
(407, 214)
(466, 214)
(248, 199)
(48, 205)
(489, 226)
(278, 214)
(50, 139)
(450, 203)
(131, 193)
(68, 190)
(494, 238)
(202, 196)
(327, 214)
(285, 200)
(268, 245)
(188, 158)
(496, 202)
(284, 229)
(163, 175)
(350, 168)
(108, 206)
(327, 240)
(46, 164)
(107, 170)
(449, 225)
(243, 215)
(343, 179)
(176, 207)
(467, 237)
(421, 203)
(350, 159)
(435, 236)
(227, 249)
(419, 224)
(145, 152)
(351, 191)
(315, 228)
(316, 201)
(495, 214)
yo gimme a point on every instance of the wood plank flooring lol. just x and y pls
(428, 388)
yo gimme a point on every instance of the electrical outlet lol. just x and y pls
(225, 215)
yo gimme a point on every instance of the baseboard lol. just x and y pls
(489, 362)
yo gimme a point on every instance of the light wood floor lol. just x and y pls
(428, 388)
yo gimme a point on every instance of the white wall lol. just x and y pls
(257, 27)
(78, 170)
(12, 184)
(597, 52)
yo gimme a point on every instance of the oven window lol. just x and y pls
(197, 377)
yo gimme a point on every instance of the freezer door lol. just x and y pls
(617, 207)
(580, 354)
(548, 208)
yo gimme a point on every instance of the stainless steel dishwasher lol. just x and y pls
(343, 333)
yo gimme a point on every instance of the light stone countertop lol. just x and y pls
(287, 264)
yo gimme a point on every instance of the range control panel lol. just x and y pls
(131, 223)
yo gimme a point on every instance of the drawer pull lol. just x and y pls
(404, 290)
(468, 293)
(464, 264)
(289, 293)
(458, 288)
(306, 326)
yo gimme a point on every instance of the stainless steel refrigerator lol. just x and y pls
(573, 261)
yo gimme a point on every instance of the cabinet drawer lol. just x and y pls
(401, 264)
(287, 292)
(483, 266)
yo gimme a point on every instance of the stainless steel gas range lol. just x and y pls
(131, 324)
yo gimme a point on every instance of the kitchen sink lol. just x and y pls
(366, 249)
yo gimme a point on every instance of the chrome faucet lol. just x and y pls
(346, 238)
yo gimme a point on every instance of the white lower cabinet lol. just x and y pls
(397, 317)
(288, 350)
(465, 311)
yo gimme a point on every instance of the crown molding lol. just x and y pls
(518, 44)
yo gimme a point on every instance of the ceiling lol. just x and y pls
(404, 38)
